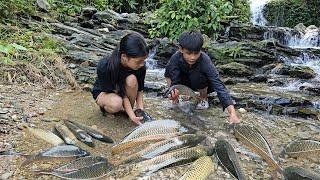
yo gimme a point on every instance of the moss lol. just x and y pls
(289, 13)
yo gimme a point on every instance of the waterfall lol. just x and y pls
(256, 7)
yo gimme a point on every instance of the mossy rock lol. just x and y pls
(296, 71)
(236, 69)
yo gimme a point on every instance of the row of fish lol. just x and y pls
(257, 143)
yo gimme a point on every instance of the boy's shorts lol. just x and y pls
(195, 80)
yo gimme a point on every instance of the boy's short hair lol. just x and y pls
(191, 40)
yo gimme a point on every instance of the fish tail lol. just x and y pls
(43, 171)
(29, 159)
(12, 153)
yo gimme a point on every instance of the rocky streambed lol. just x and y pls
(43, 109)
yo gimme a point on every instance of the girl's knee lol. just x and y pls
(131, 81)
(115, 106)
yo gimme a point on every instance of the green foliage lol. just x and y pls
(289, 13)
(241, 8)
(12, 9)
(176, 16)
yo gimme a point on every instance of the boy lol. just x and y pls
(192, 67)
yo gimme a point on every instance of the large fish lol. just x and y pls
(152, 127)
(92, 132)
(74, 165)
(65, 134)
(200, 169)
(187, 140)
(180, 156)
(45, 135)
(57, 152)
(229, 159)
(80, 134)
(302, 147)
(94, 171)
(121, 147)
(298, 173)
(254, 140)
(188, 94)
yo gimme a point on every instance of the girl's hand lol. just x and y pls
(137, 120)
(234, 119)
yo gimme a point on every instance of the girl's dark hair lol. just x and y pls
(133, 45)
(191, 40)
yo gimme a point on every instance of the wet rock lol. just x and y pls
(229, 81)
(312, 90)
(6, 175)
(274, 82)
(4, 111)
(295, 71)
(300, 27)
(251, 62)
(107, 16)
(88, 12)
(260, 78)
(236, 69)
(43, 5)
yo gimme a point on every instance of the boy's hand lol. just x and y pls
(136, 120)
(174, 95)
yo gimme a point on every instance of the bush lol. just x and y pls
(289, 13)
(176, 16)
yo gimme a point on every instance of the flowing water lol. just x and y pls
(256, 7)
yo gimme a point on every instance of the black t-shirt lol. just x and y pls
(177, 67)
(103, 82)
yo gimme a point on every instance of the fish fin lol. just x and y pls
(158, 151)
(155, 168)
(29, 159)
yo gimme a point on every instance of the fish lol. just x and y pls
(94, 171)
(188, 95)
(228, 158)
(148, 126)
(145, 115)
(65, 134)
(255, 141)
(93, 133)
(187, 140)
(180, 156)
(121, 147)
(200, 169)
(57, 152)
(80, 134)
(302, 147)
(47, 136)
(74, 165)
(298, 173)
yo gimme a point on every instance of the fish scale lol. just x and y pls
(255, 141)
(75, 165)
(167, 123)
(187, 140)
(302, 147)
(298, 173)
(184, 154)
(95, 171)
(154, 131)
(229, 159)
(200, 169)
(92, 132)
(62, 152)
(136, 142)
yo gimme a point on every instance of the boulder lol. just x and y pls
(236, 69)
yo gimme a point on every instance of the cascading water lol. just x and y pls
(151, 64)
(256, 7)
(305, 38)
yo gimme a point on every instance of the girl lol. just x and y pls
(120, 79)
